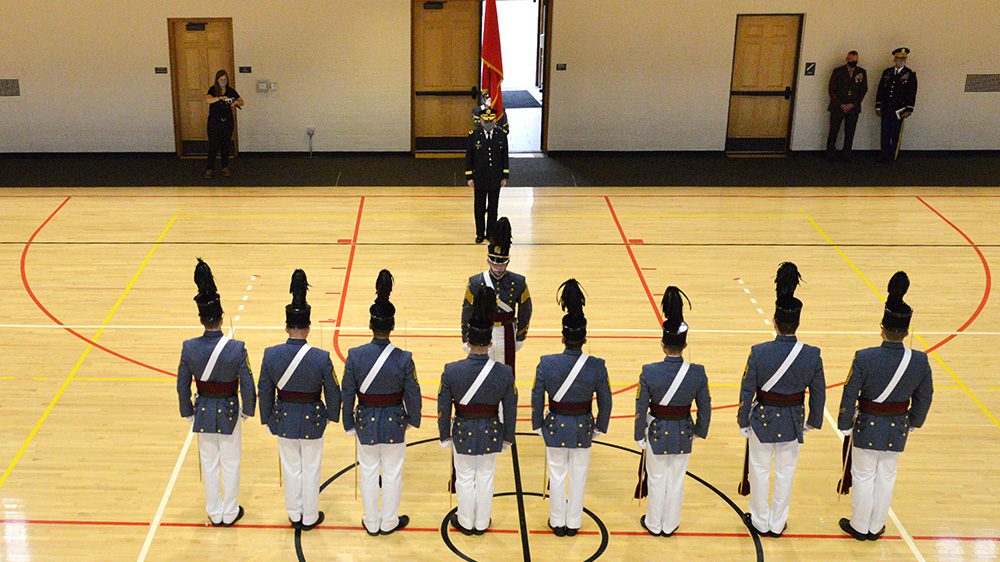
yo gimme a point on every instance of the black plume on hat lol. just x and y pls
(297, 313)
(382, 311)
(499, 249)
(897, 313)
(209, 302)
(787, 308)
(675, 329)
(484, 304)
(572, 300)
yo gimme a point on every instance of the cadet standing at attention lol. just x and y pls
(221, 371)
(664, 430)
(886, 397)
(571, 379)
(771, 414)
(477, 386)
(384, 380)
(301, 375)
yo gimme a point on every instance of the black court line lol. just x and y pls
(519, 491)
(527, 245)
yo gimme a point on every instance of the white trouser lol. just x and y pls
(665, 477)
(387, 460)
(874, 476)
(786, 456)
(301, 464)
(221, 496)
(572, 464)
(497, 351)
(474, 488)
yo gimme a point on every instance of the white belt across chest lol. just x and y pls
(665, 401)
(896, 377)
(292, 366)
(213, 359)
(483, 373)
(783, 368)
(570, 378)
(374, 371)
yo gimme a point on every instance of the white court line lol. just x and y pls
(166, 497)
(892, 514)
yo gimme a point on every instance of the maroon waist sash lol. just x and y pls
(570, 408)
(885, 409)
(298, 397)
(217, 389)
(780, 400)
(476, 411)
(380, 400)
(670, 412)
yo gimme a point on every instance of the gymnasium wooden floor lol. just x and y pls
(97, 285)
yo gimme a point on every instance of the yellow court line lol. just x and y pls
(125, 379)
(7, 378)
(464, 215)
(83, 357)
(961, 384)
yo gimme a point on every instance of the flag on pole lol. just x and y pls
(492, 62)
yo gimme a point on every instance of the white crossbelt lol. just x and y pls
(907, 354)
(489, 283)
(577, 367)
(665, 401)
(373, 372)
(477, 383)
(783, 368)
(292, 366)
(214, 358)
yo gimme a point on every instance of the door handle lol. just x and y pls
(788, 92)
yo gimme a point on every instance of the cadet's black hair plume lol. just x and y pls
(673, 308)
(787, 279)
(501, 232)
(383, 286)
(484, 304)
(898, 286)
(571, 297)
(204, 280)
(298, 288)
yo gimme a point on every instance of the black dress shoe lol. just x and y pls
(559, 531)
(479, 239)
(845, 525)
(671, 533)
(876, 536)
(316, 524)
(239, 516)
(642, 521)
(295, 524)
(454, 523)
(404, 520)
(571, 532)
(365, 527)
(480, 532)
(774, 535)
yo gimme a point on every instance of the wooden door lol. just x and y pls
(446, 47)
(762, 92)
(198, 49)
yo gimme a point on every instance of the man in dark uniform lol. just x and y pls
(894, 101)
(384, 380)
(848, 86)
(887, 396)
(220, 367)
(513, 310)
(301, 376)
(571, 379)
(487, 167)
(481, 391)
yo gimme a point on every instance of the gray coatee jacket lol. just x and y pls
(215, 415)
(477, 436)
(297, 420)
(672, 437)
(570, 431)
(374, 424)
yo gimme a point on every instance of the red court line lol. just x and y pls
(31, 293)
(986, 271)
(347, 278)
(635, 263)
(542, 195)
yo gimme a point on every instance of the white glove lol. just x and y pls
(506, 445)
(642, 444)
(913, 428)
(244, 417)
(190, 419)
(539, 432)
(806, 428)
(597, 433)
(466, 348)
(518, 345)
(446, 443)
(745, 431)
(847, 431)
(351, 432)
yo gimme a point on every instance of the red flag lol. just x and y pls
(492, 60)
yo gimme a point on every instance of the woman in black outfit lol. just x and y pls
(222, 98)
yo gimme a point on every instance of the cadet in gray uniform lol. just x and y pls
(301, 375)
(513, 308)
(772, 407)
(221, 370)
(571, 379)
(384, 380)
(887, 395)
(477, 386)
(663, 426)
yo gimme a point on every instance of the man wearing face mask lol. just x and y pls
(897, 94)
(848, 86)
(513, 311)
(486, 170)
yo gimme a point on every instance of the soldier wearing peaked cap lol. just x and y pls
(772, 413)
(221, 370)
(571, 379)
(894, 101)
(301, 376)
(887, 396)
(513, 300)
(664, 429)
(487, 167)
(384, 380)
(481, 391)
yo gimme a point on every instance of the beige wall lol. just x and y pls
(87, 81)
(654, 74)
(642, 74)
